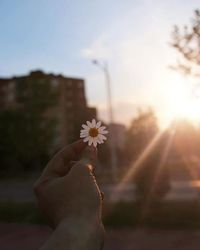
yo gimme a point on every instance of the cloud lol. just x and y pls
(98, 49)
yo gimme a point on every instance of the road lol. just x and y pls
(27, 237)
(21, 191)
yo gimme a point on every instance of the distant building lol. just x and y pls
(71, 109)
(7, 93)
(118, 132)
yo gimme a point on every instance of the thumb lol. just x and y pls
(80, 175)
(89, 155)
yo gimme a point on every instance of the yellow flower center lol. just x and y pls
(93, 132)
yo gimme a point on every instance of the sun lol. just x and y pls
(188, 109)
(183, 103)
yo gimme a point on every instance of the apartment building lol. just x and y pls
(70, 110)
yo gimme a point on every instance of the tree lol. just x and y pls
(27, 130)
(152, 177)
(184, 151)
(143, 128)
(186, 41)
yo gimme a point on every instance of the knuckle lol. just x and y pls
(37, 188)
(82, 169)
(85, 170)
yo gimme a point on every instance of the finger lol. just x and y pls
(89, 155)
(60, 164)
(72, 151)
(82, 173)
(67, 168)
(102, 195)
(71, 164)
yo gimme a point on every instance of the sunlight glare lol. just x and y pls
(182, 102)
(137, 164)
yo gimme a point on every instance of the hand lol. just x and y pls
(69, 197)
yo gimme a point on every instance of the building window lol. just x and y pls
(11, 92)
(69, 104)
(69, 83)
(69, 93)
(81, 94)
(11, 86)
(55, 82)
(80, 84)
(10, 97)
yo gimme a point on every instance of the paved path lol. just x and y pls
(16, 191)
(29, 237)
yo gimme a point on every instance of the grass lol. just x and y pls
(20, 213)
(168, 215)
(171, 215)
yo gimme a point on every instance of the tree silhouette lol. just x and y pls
(151, 178)
(27, 130)
(143, 128)
(186, 40)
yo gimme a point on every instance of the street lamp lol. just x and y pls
(104, 68)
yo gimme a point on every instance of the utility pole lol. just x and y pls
(104, 68)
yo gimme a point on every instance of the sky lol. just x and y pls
(132, 36)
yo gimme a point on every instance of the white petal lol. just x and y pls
(93, 123)
(95, 142)
(82, 136)
(84, 130)
(100, 141)
(89, 124)
(95, 139)
(104, 132)
(101, 128)
(90, 141)
(98, 124)
(85, 134)
(85, 127)
(102, 137)
(86, 139)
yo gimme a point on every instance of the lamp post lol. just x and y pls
(104, 68)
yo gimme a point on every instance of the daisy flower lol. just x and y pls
(93, 133)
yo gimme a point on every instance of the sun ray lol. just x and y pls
(161, 165)
(189, 161)
(137, 164)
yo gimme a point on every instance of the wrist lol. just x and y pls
(76, 234)
(82, 233)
